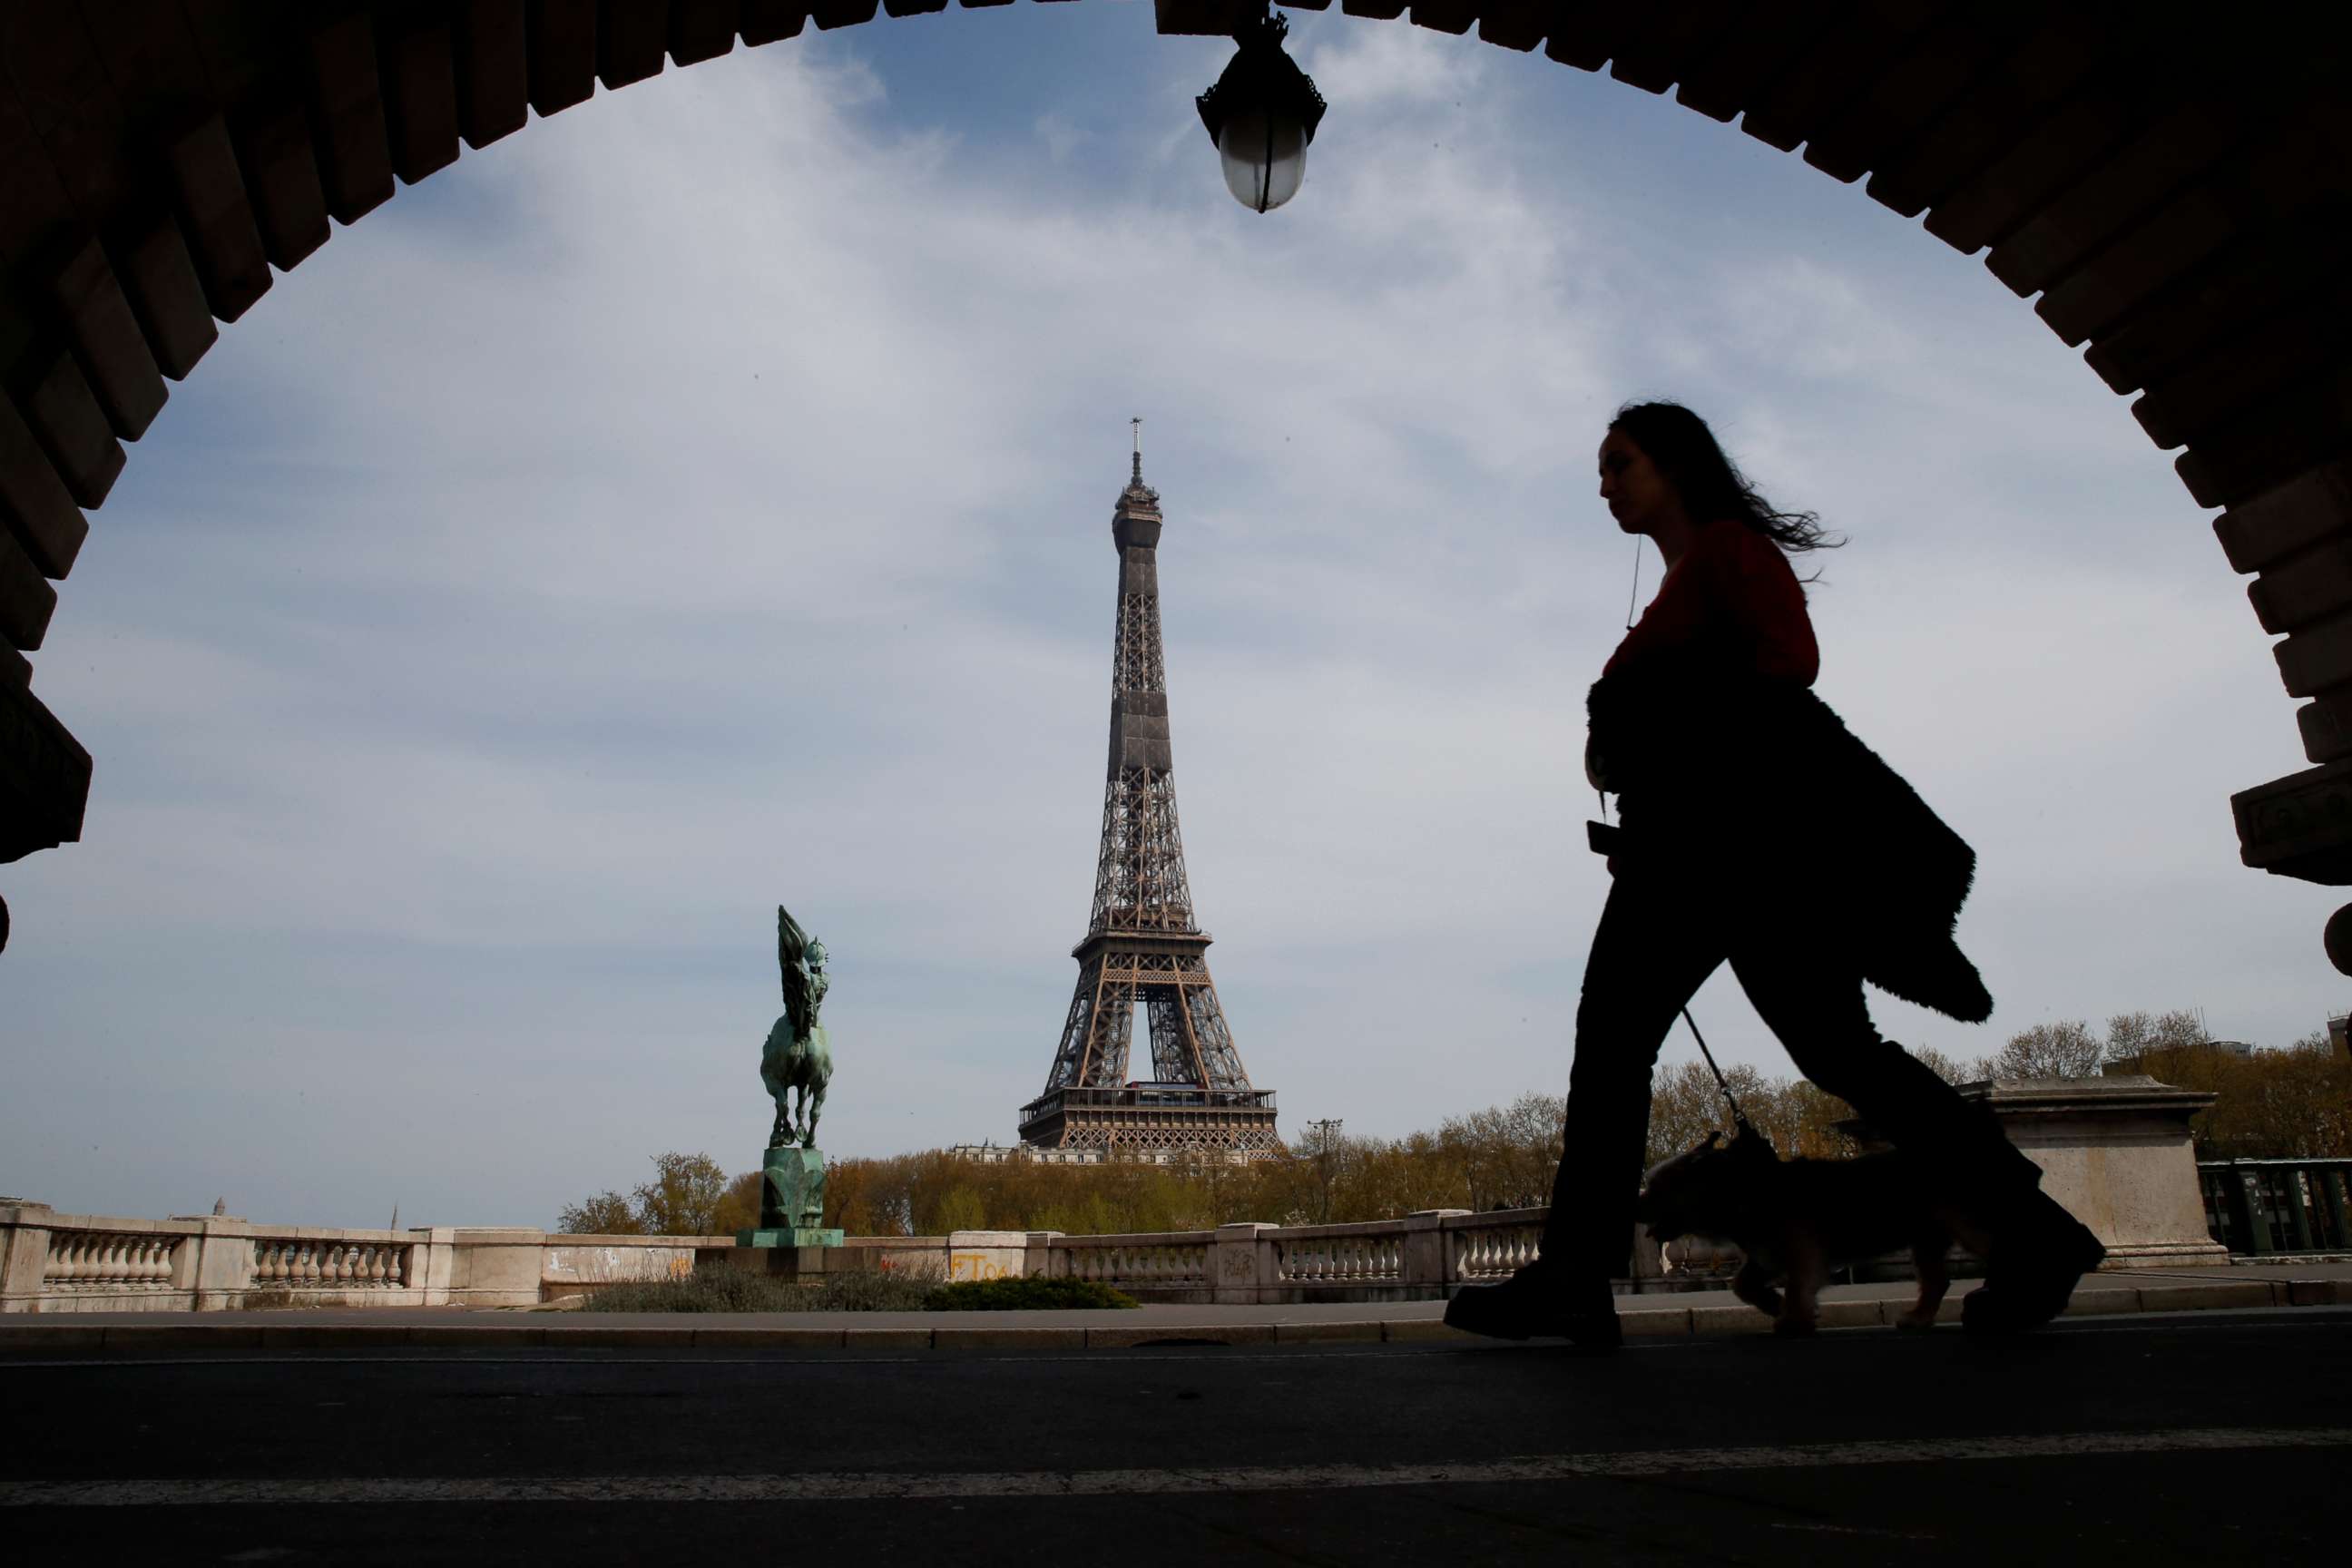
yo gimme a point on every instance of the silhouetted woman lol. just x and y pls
(1755, 828)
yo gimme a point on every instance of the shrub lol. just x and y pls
(717, 1290)
(1029, 1295)
(725, 1289)
(873, 1291)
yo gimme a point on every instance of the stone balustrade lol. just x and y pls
(1491, 1245)
(2116, 1151)
(1173, 1261)
(52, 1262)
(293, 1263)
(110, 1262)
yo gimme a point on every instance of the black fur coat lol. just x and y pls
(1755, 791)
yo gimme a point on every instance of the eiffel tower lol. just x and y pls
(1144, 945)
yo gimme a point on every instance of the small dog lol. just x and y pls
(1797, 1219)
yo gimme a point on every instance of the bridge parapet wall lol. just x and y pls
(2116, 1151)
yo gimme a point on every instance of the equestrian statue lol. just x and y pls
(797, 1060)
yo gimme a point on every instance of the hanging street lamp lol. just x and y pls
(1262, 114)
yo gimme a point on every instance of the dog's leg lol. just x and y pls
(1935, 1279)
(1753, 1284)
(1807, 1265)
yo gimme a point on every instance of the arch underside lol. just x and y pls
(2176, 206)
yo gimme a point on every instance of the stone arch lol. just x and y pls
(2179, 205)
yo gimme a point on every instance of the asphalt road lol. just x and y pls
(2211, 1438)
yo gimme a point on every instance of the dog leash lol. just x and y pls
(1738, 1116)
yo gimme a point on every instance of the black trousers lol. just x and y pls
(1661, 933)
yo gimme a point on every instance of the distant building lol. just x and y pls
(1093, 1155)
(2338, 1035)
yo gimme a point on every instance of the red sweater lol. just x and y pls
(1732, 598)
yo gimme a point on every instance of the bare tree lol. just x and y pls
(1952, 1070)
(2063, 1050)
(606, 1214)
(684, 1196)
(2131, 1036)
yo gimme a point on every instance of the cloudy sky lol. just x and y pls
(702, 501)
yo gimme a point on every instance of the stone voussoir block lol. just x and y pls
(26, 599)
(221, 233)
(354, 144)
(39, 509)
(2304, 588)
(114, 353)
(2287, 518)
(167, 296)
(73, 429)
(491, 51)
(2325, 725)
(702, 29)
(2316, 656)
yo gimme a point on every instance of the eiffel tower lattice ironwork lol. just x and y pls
(1144, 946)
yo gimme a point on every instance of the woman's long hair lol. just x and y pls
(1688, 454)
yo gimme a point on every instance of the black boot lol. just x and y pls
(1538, 1303)
(2038, 1253)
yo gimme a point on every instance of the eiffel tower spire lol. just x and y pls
(1144, 945)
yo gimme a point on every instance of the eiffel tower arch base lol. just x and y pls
(1149, 1120)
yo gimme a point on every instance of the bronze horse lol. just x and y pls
(797, 1057)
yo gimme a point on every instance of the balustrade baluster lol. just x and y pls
(396, 1271)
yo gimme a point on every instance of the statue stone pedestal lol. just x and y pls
(792, 1202)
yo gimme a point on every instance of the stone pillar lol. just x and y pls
(1242, 1270)
(1041, 1259)
(24, 1255)
(2116, 1152)
(1649, 1258)
(433, 1261)
(986, 1254)
(221, 1269)
(1428, 1261)
(496, 1265)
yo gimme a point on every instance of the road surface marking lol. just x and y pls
(859, 1486)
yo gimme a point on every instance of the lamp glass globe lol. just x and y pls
(1264, 158)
